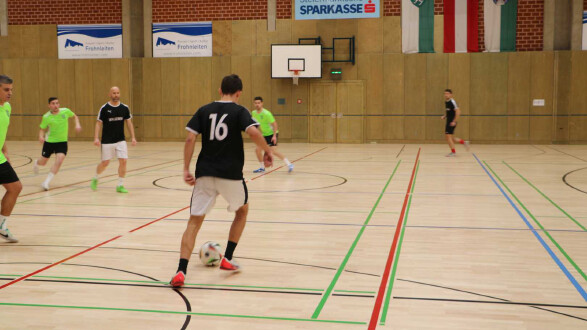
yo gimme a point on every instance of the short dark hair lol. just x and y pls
(5, 79)
(258, 98)
(448, 90)
(52, 98)
(231, 84)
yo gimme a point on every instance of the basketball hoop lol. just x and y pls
(296, 76)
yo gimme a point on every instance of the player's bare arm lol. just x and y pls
(97, 133)
(131, 129)
(255, 135)
(188, 153)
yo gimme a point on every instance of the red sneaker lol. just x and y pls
(177, 280)
(229, 265)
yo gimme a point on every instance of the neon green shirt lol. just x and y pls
(5, 111)
(265, 119)
(58, 125)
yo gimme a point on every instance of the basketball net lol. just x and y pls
(295, 77)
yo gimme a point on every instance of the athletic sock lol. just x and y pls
(49, 178)
(453, 151)
(3, 221)
(461, 141)
(230, 246)
(262, 165)
(183, 266)
(287, 162)
(96, 176)
(120, 181)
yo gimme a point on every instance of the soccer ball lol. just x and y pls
(210, 254)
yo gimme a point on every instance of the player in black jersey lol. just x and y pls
(219, 169)
(111, 121)
(452, 116)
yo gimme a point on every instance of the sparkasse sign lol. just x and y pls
(336, 9)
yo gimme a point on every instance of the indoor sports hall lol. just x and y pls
(429, 164)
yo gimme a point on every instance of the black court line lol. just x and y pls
(562, 152)
(30, 160)
(402, 149)
(183, 297)
(566, 181)
(488, 296)
(491, 302)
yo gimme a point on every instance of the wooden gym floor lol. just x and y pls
(358, 236)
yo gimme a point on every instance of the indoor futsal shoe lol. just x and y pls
(45, 186)
(452, 154)
(94, 184)
(226, 264)
(121, 189)
(259, 170)
(35, 167)
(7, 235)
(467, 145)
(177, 280)
(290, 167)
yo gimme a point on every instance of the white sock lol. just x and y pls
(3, 221)
(262, 164)
(287, 162)
(49, 178)
(120, 181)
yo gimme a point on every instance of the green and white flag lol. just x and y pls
(500, 25)
(418, 26)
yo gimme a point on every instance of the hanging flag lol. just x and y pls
(585, 30)
(461, 26)
(418, 26)
(500, 25)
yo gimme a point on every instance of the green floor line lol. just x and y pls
(330, 288)
(577, 268)
(546, 197)
(397, 254)
(180, 313)
(88, 187)
(186, 284)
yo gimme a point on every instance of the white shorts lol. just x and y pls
(118, 148)
(207, 188)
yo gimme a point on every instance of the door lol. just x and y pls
(336, 112)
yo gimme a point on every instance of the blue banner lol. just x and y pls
(182, 39)
(336, 9)
(89, 41)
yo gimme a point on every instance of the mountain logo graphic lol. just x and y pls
(71, 43)
(161, 41)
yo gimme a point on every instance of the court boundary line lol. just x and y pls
(345, 260)
(492, 302)
(391, 255)
(119, 236)
(554, 257)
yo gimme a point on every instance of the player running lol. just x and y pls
(111, 121)
(268, 127)
(8, 178)
(56, 122)
(453, 113)
(219, 169)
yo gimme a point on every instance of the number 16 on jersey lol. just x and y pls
(218, 131)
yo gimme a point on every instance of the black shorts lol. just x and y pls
(449, 129)
(54, 148)
(7, 174)
(269, 142)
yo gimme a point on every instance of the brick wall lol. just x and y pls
(529, 36)
(438, 7)
(37, 12)
(392, 7)
(214, 10)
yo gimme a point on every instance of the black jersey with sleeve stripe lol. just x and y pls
(221, 124)
(451, 105)
(112, 118)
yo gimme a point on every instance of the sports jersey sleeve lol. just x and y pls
(44, 122)
(194, 125)
(271, 119)
(454, 103)
(245, 119)
(101, 114)
(68, 113)
(127, 114)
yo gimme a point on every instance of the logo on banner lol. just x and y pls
(89, 41)
(71, 43)
(419, 3)
(337, 9)
(500, 2)
(161, 41)
(182, 39)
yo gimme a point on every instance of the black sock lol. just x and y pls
(183, 266)
(230, 246)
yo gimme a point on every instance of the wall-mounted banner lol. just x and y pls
(89, 41)
(182, 39)
(336, 9)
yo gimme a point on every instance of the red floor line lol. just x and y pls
(385, 276)
(119, 236)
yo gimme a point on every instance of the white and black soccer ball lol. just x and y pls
(210, 254)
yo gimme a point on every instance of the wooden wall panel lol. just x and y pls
(65, 82)
(261, 82)
(15, 41)
(299, 129)
(281, 35)
(484, 128)
(280, 89)
(563, 67)
(47, 83)
(579, 83)
(244, 38)
(435, 128)
(151, 125)
(285, 127)
(194, 82)
(519, 73)
(439, 34)
(222, 41)
(436, 83)
(304, 29)
(241, 65)
(221, 67)
(459, 80)
(136, 77)
(384, 128)
(541, 129)
(30, 86)
(518, 128)
(542, 81)
(48, 41)
(84, 89)
(414, 127)
(392, 34)
(31, 37)
(120, 75)
(300, 92)
(101, 84)
(578, 129)
(415, 83)
(370, 71)
(393, 84)
(370, 37)
(170, 89)
(489, 83)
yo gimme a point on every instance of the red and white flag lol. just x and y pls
(461, 26)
